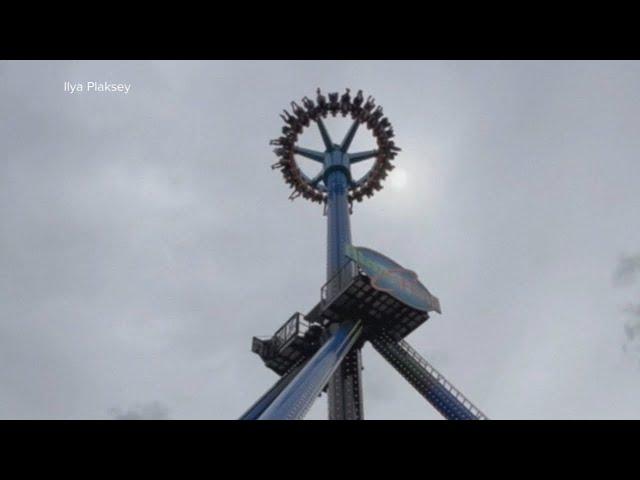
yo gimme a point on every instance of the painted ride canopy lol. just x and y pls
(389, 276)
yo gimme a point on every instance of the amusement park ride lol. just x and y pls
(367, 296)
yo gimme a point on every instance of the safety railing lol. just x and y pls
(341, 280)
(441, 380)
(296, 326)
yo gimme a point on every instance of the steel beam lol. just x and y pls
(326, 138)
(265, 400)
(310, 154)
(430, 383)
(345, 389)
(360, 156)
(348, 138)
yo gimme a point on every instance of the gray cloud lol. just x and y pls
(626, 274)
(632, 327)
(627, 270)
(631, 344)
(148, 411)
(145, 239)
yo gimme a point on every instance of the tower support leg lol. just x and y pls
(430, 383)
(345, 389)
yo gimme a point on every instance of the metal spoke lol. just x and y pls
(360, 156)
(308, 153)
(430, 383)
(326, 138)
(314, 181)
(361, 181)
(348, 138)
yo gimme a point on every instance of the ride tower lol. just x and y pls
(366, 297)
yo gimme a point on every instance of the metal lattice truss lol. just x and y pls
(361, 112)
(430, 383)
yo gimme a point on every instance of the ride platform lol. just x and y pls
(350, 294)
(293, 343)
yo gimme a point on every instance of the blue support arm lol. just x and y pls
(298, 396)
(265, 400)
(326, 138)
(427, 380)
(314, 181)
(310, 154)
(360, 156)
(348, 138)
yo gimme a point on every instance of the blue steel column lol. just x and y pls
(338, 221)
(345, 386)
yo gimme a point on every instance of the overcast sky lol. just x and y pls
(144, 239)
